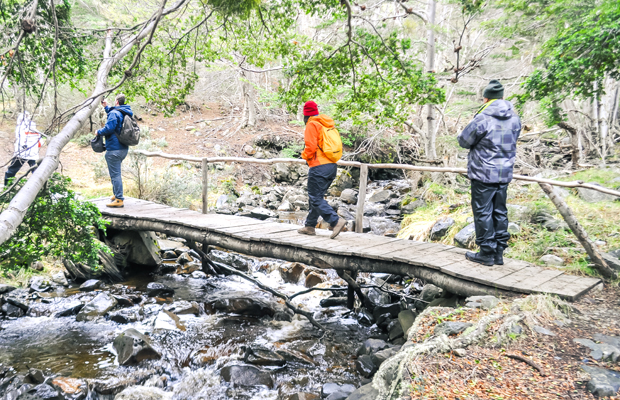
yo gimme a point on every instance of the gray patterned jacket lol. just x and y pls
(492, 142)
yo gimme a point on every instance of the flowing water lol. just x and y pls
(194, 349)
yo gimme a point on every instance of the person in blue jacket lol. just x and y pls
(115, 150)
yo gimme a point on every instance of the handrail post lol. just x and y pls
(205, 185)
(361, 199)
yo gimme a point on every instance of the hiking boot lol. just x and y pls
(499, 256)
(116, 203)
(307, 230)
(338, 228)
(112, 198)
(480, 258)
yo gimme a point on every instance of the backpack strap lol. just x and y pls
(484, 106)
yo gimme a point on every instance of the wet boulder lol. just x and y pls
(246, 375)
(332, 388)
(41, 392)
(371, 346)
(40, 284)
(441, 228)
(381, 196)
(384, 227)
(12, 311)
(199, 275)
(365, 366)
(6, 288)
(91, 285)
(262, 213)
(70, 386)
(243, 306)
(380, 356)
(392, 309)
(184, 308)
(406, 319)
(132, 347)
(125, 316)
(35, 376)
(313, 279)
(395, 330)
(168, 321)
(294, 356)
(431, 292)
(263, 357)
(143, 393)
(366, 392)
(97, 307)
(188, 268)
(184, 258)
(59, 278)
(291, 272)
(71, 308)
(349, 196)
(157, 289)
(234, 260)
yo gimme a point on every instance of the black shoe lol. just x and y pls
(480, 258)
(499, 256)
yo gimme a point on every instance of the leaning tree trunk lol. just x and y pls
(582, 235)
(431, 151)
(13, 215)
(575, 142)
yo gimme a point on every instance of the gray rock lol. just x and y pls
(343, 181)
(6, 288)
(222, 201)
(40, 284)
(371, 346)
(373, 209)
(466, 236)
(614, 253)
(132, 347)
(264, 357)
(243, 306)
(441, 228)
(380, 356)
(410, 207)
(366, 392)
(349, 196)
(516, 212)
(12, 311)
(246, 375)
(513, 228)
(451, 328)
(291, 272)
(603, 382)
(608, 350)
(593, 196)
(365, 366)
(303, 396)
(124, 316)
(378, 297)
(330, 388)
(72, 308)
(295, 357)
(199, 275)
(97, 307)
(262, 213)
(156, 289)
(143, 393)
(406, 319)
(234, 260)
(286, 206)
(345, 213)
(37, 266)
(486, 302)
(460, 352)
(36, 375)
(384, 227)
(547, 221)
(543, 331)
(41, 392)
(60, 279)
(551, 260)
(391, 309)
(184, 258)
(431, 292)
(91, 285)
(611, 260)
(395, 330)
(380, 197)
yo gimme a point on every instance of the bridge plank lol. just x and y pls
(477, 272)
(526, 279)
(568, 286)
(383, 251)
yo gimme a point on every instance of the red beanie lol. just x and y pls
(311, 109)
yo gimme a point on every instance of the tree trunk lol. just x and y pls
(575, 142)
(580, 233)
(13, 215)
(431, 151)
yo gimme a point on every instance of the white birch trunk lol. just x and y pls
(431, 151)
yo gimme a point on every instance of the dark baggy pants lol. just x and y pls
(488, 202)
(319, 180)
(16, 164)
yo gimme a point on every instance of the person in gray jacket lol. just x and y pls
(492, 142)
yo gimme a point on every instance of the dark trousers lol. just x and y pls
(319, 180)
(16, 164)
(488, 202)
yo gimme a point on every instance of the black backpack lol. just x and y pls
(130, 131)
(97, 144)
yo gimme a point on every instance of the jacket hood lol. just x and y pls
(500, 109)
(124, 108)
(323, 120)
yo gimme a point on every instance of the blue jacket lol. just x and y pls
(492, 142)
(113, 126)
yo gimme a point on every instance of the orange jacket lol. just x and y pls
(313, 137)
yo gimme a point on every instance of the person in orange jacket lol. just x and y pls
(321, 174)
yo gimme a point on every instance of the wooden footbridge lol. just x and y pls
(442, 265)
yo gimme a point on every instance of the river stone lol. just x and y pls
(124, 316)
(441, 228)
(291, 272)
(543, 331)
(365, 366)
(69, 385)
(366, 392)
(392, 309)
(188, 268)
(611, 260)
(466, 236)
(6, 288)
(486, 302)
(295, 357)
(184, 259)
(384, 227)
(243, 306)
(410, 207)
(265, 357)
(371, 346)
(330, 388)
(132, 347)
(380, 356)
(364, 317)
(303, 396)
(594, 196)
(72, 308)
(36, 375)
(378, 297)
(234, 260)
(551, 260)
(395, 330)
(431, 292)
(60, 279)
(262, 213)
(157, 289)
(91, 285)
(451, 328)
(37, 266)
(199, 275)
(96, 307)
(313, 279)
(12, 311)
(41, 392)
(406, 319)
(603, 382)
(40, 284)
(143, 248)
(169, 255)
(286, 206)
(513, 228)
(380, 197)
(349, 196)
(246, 375)
(143, 393)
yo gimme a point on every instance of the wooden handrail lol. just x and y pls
(360, 210)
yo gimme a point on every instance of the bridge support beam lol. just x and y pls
(294, 254)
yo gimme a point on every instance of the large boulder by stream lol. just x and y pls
(97, 307)
(132, 347)
(246, 375)
(242, 306)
